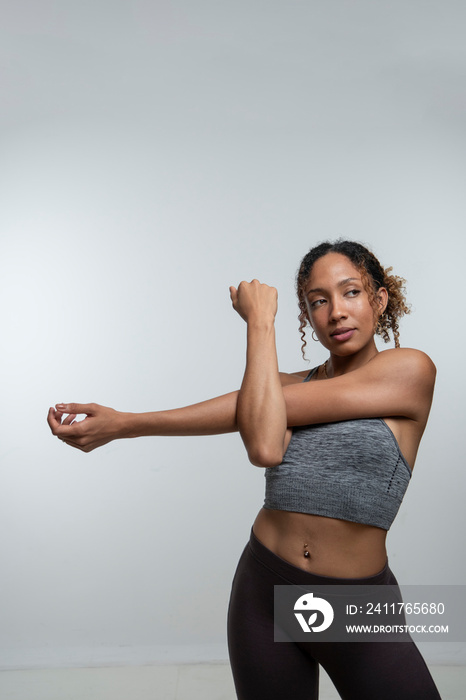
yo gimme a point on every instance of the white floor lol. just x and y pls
(186, 682)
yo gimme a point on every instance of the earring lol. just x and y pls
(316, 339)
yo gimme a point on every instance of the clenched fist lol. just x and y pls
(254, 301)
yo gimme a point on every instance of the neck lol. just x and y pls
(338, 365)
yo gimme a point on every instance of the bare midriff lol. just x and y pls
(334, 547)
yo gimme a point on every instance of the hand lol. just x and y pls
(253, 300)
(101, 425)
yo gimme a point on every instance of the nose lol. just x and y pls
(338, 310)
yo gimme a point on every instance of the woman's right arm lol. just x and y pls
(102, 425)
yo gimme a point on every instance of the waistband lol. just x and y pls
(293, 574)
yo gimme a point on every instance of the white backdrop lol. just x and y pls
(151, 154)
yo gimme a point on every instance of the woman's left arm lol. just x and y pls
(396, 382)
(261, 408)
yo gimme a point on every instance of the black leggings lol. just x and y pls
(268, 670)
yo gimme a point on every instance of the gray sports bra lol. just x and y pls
(352, 470)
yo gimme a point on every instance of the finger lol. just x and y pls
(84, 447)
(233, 295)
(53, 418)
(65, 431)
(69, 419)
(72, 443)
(75, 408)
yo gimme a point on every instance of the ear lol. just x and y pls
(382, 300)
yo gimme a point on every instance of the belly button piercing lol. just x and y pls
(306, 553)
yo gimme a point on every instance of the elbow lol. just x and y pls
(263, 457)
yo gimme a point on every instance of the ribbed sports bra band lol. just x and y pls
(351, 470)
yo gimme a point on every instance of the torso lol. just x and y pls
(336, 547)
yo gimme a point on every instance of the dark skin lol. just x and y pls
(359, 382)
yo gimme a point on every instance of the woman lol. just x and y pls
(338, 445)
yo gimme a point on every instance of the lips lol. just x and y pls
(343, 333)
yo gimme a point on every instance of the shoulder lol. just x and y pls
(410, 374)
(405, 362)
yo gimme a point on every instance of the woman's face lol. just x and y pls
(338, 306)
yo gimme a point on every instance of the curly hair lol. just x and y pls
(373, 276)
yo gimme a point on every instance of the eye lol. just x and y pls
(316, 303)
(353, 292)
